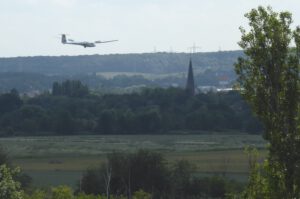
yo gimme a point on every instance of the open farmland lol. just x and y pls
(62, 159)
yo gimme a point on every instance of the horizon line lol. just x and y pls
(109, 54)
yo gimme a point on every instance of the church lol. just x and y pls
(190, 84)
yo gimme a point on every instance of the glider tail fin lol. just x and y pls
(63, 39)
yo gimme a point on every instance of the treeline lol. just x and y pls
(35, 82)
(143, 174)
(72, 109)
(124, 174)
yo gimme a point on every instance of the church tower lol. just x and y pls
(190, 84)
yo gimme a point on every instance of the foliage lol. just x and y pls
(10, 102)
(92, 182)
(37, 194)
(148, 171)
(70, 88)
(144, 170)
(181, 177)
(23, 179)
(258, 186)
(65, 192)
(85, 196)
(141, 195)
(148, 112)
(62, 192)
(9, 188)
(269, 78)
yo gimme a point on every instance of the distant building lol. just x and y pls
(190, 84)
(207, 89)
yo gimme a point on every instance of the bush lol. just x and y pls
(62, 192)
(9, 188)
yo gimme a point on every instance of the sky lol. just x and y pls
(32, 27)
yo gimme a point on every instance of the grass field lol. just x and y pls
(61, 160)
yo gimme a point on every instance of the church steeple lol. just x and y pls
(190, 84)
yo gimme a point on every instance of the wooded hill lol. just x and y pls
(156, 63)
(28, 74)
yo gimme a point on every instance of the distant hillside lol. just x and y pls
(120, 71)
(155, 63)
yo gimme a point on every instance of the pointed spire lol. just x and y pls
(190, 84)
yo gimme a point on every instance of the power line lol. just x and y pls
(193, 49)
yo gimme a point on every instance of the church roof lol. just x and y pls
(190, 84)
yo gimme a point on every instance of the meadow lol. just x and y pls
(62, 159)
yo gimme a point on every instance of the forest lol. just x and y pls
(71, 108)
(35, 82)
(157, 63)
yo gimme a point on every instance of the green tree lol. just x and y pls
(56, 89)
(70, 88)
(62, 192)
(64, 122)
(9, 188)
(144, 170)
(257, 186)
(141, 195)
(268, 76)
(149, 121)
(92, 181)
(107, 122)
(37, 194)
(10, 101)
(181, 177)
(84, 196)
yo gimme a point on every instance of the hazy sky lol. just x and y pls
(31, 27)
